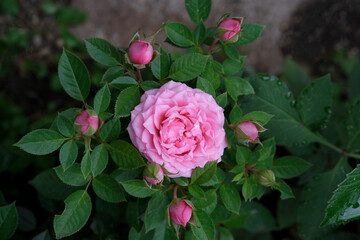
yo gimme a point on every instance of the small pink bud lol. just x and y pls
(140, 52)
(249, 129)
(153, 174)
(87, 122)
(232, 25)
(181, 213)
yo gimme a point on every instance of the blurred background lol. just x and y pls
(302, 39)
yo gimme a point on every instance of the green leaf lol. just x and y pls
(232, 67)
(221, 100)
(50, 186)
(112, 73)
(344, 203)
(352, 123)
(353, 84)
(259, 217)
(41, 142)
(182, 181)
(188, 66)
(198, 10)
(68, 154)
(179, 34)
(199, 33)
(42, 236)
(216, 179)
(295, 77)
(196, 191)
(100, 158)
(147, 85)
(137, 188)
(65, 126)
(160, 67)
(272, 96)
(314, 200)
(102, 51)
(259, 116)
(225, 234)
(8, 221)
(126, 101)
(72, 176)
(205, 229)
(232, 52)
(207, 203)
(211, 75)
(111, 130)
(123, 82)
(73, 75)
(235, 115)
(236, 86)
(102, 99)
(125, 155)
(203, 175)
(86, 164)
(108, 189)
(289, 167)
(230, 197)
(314, 103)
(155, 214)
(284, 189)
(76, 213)
(249, 33)
(206, 86)
(250, 188)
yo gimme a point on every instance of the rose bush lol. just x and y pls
(178, 127)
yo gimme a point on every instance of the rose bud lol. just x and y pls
(87, 122)
(249, 129)
(180, 213)
(266, 178)
(140, 52)
(153, 174)
(229, 27)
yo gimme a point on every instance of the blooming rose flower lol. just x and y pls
(232, 25)
(180, 214)
(249, 129)
(87, 122)
(140, 52)
(178, 127)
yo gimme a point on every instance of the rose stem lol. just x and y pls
(139, 73)
(213, 44)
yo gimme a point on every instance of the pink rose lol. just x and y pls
(178, 127)
(140, 52)
(232, 25)
(249, 129)
(87, 122)
(180, 214)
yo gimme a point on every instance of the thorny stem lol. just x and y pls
(139, 74)
(212, 45)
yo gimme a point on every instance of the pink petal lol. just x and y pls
(82, 118)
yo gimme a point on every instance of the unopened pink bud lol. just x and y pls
(181, 213)
(87, 122)
(153, 174)
(249, 129)
(232, 25)
(140, 52)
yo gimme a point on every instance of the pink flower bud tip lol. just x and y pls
(87, 121)
(249, 129)
(140, 52)
(153, 174)
(232, 25)
(180, 214)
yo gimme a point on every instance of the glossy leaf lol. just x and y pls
(199, 33)
(206, 86)
(102, 99)
(205, 229)
(126, 101)
(137, 188)
(198, 10)
(289, 167)
(231, 66)
(235, 115)
(236, 86)
(73, 75)
(111, 130)
(221, 100)
(77, 212)
(72, 176)
(65, 126)
(68, 154)
(284, 189)
(123, 82)
(179, 34)
(125, 155)
(112, 73)
(8, 221)
(100, 158)
(160, 67)
(41, 142)
(203, 175)
(344, 205)
(207, 203)
(230, 197)
(314, 103)
(156, 212)
(249, 33)
(259, 116)
(187, 67)
(108, 189)
(102, 51)
(86, 164)
(232, 52)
